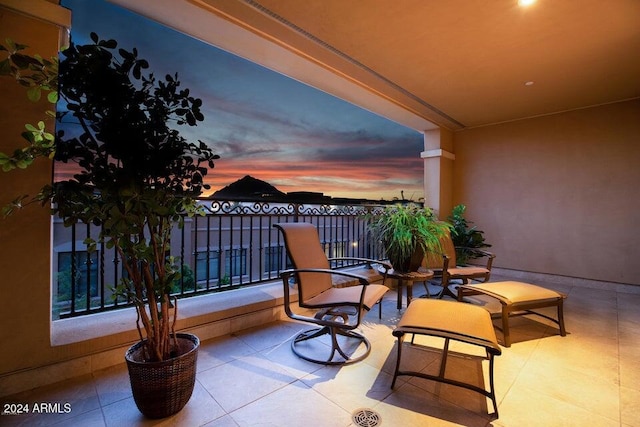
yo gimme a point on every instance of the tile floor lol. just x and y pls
(591, 377)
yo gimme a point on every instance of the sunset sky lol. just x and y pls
(264, 124)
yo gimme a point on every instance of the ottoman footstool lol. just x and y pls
(450, 320)
(518, 298)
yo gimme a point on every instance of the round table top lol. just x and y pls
(420, 275)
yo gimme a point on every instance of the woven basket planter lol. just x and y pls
(161, 389)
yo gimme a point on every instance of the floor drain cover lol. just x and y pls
(366, 418)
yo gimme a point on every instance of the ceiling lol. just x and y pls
(454, 63)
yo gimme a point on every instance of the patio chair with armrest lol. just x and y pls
(338, 310)
(446, 270)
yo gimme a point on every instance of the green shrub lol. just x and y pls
(466, 239)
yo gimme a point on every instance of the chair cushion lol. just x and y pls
(516, 292)
(463, 322)
(348, 296)
(467, 271)
(305, 251)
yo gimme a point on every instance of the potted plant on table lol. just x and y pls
(408, 232)
(135, 176)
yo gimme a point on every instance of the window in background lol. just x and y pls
(236, 262)
(273, 258)
(207, 265)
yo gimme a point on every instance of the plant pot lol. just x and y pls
(161, 389)
(407, 265)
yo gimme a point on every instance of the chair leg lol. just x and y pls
(395, 374)
(333, 332)
(443, 360)
(311, 334)
(505, 326)
(492, 387)
(426, 287)
(446, 282)
(563, 331)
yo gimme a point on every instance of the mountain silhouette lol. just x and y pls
(248, 188)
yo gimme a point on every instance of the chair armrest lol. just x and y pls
(369, 261)
(386, 266)
(445, 262)
(288, 273)
(489, 255)
(482, 252)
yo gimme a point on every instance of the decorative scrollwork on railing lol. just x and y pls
(333, 210)
(229, 207)
(375, 209)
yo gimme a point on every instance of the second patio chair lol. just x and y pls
(444, 267)
(337, 311)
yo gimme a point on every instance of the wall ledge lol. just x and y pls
(192, 312)
(102, 339)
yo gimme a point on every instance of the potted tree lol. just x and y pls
(408, 232)
(135, 177)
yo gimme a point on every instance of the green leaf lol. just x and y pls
(18, 46)
(52, 97)
(91, 244)
(22, 164)
(11, 44)
(5, 67)
(21, 61)
(34, 94)
(110, 44)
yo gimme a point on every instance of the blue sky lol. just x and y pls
(265, 124)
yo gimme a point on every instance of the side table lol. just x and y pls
(422, 275)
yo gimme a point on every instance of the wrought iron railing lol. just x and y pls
(234, 245)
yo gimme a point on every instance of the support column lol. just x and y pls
(25, 252)
(438, 170)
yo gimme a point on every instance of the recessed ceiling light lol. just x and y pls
(525, 3)
(529, 83)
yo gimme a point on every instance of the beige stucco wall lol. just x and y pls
(558, 194)
(25, 249)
